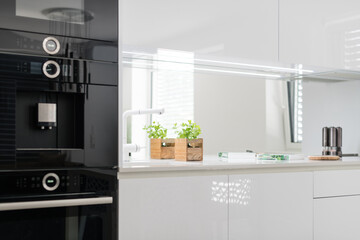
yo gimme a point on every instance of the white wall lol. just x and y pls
(240, 113)
(331, 104)
(277, 117)
(231, 112)
(235, 113)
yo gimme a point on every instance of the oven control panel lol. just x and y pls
(50, 182)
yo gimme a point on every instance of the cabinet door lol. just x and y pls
(276, 206)
(337, 218)
(336, 183)
(176, 208)
(320, 33)
(227, 28)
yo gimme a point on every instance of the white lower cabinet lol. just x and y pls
(176, 208)
(337, 205)
(337, 218)
(336, 183)
(274, 206)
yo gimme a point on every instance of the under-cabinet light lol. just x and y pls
(216, 70)
(140, 53)
(236, 72)
(232, 63)
(257, 66)
(146, 64)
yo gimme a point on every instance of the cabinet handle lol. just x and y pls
(55, 203)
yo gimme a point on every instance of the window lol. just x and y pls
(173, 88)
(352, 49)
(295, 100)
(168, 84)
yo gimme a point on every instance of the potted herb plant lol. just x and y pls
(160, 147)
(188, 147)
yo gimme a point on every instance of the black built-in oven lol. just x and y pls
(90, 19)
(58, 205)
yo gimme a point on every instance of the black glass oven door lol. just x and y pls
(90, 19)
(84, 222)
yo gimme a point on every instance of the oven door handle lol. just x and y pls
(55, 203)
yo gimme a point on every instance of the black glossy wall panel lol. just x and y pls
(101, 125)
(7, 120)
(102, 25)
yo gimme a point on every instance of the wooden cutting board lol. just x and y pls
(325, 157)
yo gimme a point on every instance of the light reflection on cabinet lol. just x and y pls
(270, 206)
(320, 33)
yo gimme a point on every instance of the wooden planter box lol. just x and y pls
(189, 150)
(158, 151)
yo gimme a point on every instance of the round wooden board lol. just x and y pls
(334, 158)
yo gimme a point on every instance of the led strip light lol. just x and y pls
(232, 63)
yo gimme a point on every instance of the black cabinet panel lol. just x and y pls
(91, 19)
(101, 125)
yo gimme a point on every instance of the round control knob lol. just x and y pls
(51, 69)
(51, 181)
(51, 45)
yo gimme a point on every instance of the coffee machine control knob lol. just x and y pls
(51, 45)
(51, 181)
(51, 69)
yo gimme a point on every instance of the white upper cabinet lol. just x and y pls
(274, 206)
(228, 28)
(320, 33)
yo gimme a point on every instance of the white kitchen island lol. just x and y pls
(215, 200)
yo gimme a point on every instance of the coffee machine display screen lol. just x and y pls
(35, 68)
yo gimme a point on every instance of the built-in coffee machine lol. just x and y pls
(58, 119)
(57, 111)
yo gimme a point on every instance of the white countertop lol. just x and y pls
(212, 163)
